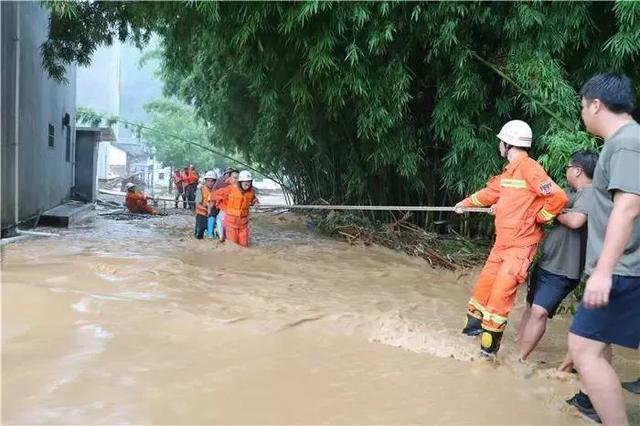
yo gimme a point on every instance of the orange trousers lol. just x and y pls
(236, 229)
(238, 235)
(143, 208)
(495, 290)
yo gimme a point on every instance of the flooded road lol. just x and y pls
(134, 322)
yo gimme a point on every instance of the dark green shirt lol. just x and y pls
(618, 169)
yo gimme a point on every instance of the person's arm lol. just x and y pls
(572, 220)
(220, 195)
(626, 207)
(199, 196)
(554, 197)
(255, 201)
(487, 196)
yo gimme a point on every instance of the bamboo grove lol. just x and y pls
(371, 102)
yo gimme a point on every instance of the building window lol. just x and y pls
(51, 135)
(68, 147)
(160, 176)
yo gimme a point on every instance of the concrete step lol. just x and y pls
(66, 214)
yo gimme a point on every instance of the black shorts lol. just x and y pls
(548, 290)
(619, 321)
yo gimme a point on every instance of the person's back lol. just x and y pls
(136, 202)
(520, 210)
(524, 198)
(132, 201)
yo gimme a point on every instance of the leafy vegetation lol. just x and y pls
(371, 102)
(169, 117)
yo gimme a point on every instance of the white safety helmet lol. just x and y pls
(516, 133)
(245, 176)
(211, 175)
(130, 185)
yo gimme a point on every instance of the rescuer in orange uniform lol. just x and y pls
(524, 198)
(136, 202)
(205, 209)
(190, 183)
(236, 200)
(228, 178)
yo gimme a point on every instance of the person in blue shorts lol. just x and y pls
(610, 309)
(562, 255)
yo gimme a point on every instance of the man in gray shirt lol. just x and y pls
(562, 255)
(609, 313)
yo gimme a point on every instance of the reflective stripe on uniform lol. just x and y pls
(476, 201)
(546, 214)
(490, 319)
(513, 183)
(477, 305)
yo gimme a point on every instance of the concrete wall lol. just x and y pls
(86, 164)
(45, 177)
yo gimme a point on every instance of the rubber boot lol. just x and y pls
(490, 342)
(473, 327)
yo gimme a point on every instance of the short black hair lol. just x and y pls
(586, 160)
(615, 91)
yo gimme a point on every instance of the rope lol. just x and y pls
(338, 207)
(376, 208)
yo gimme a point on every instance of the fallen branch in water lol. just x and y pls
(445, 251)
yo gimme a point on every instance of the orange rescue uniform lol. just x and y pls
(191, 176)
(136, 202)
(524, 197)
(235, 204)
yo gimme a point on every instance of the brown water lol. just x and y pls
(134, 322)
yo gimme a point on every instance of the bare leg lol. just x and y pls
(523, 322)
(567, 364)
(593, 361)
(533, 331)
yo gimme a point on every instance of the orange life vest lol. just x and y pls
(201, 207)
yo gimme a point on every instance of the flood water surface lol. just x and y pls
(134, 322)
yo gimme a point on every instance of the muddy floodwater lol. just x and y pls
(134, 322)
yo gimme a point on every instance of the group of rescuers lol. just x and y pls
(221, 205)
(594, 228)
